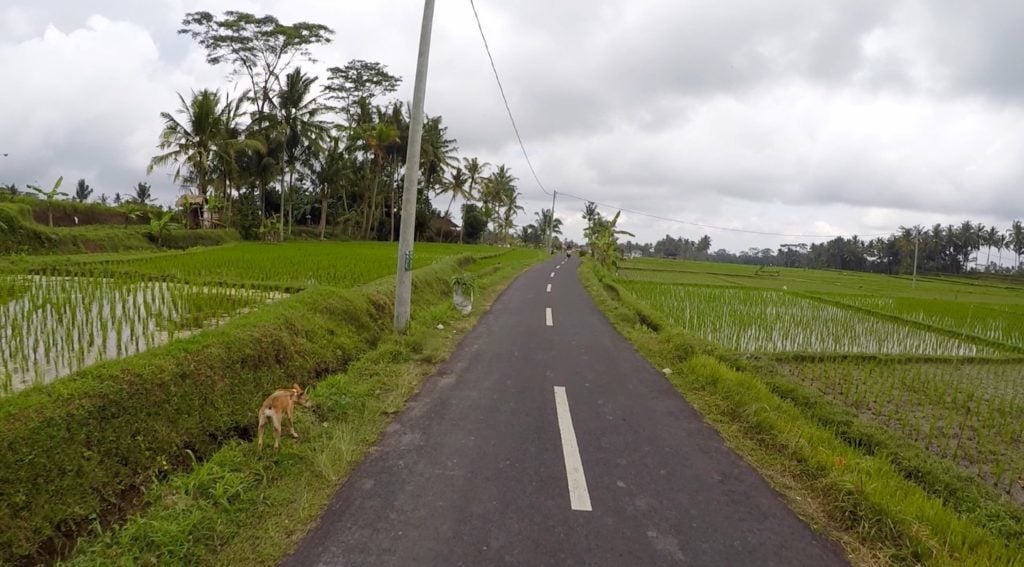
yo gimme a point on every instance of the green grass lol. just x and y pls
(751, 320)
(886, 499)
(79, 454)
(967, 412)
(208, 515)
(23, 235)
(296, 264)
(994, 320)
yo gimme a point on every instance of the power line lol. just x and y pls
(536, 178)
(501, 89)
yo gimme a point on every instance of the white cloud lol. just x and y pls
(798, 117)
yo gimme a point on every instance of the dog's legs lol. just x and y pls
(259, 431)
(276, 417)
(291, 422)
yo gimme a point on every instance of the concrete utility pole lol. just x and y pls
(551, 224)
(403, 279)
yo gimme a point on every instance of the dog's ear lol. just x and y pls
(297, 388)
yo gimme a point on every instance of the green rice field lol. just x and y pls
(58, 315)
(939, 363)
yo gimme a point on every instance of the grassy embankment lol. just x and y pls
(20, 233)
(86, 451)
(897, 460)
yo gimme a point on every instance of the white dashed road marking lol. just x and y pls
(547, 317)
(579, 496)
(549, 288)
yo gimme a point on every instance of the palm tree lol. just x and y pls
(495, 194)
(990, 237)
(298, 123)
(227, 162)
(327, 169)
(380, 138)
(190, 143)
(435, 152)
(143, 193)
(50, 196)
(474, 175)
(1001, 244)
(1017, 241)
(456, 184)
(547, 225)
(82, 191)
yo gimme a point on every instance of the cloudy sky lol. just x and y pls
(795, 117)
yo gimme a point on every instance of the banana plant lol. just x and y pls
(50, 196)
(160, 224)
(603, 238)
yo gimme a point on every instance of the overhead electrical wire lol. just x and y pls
(522, 146)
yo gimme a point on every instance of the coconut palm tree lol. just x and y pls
(380, 138)
(990, 237)
(474, 177)
(547, 225)
(227, 163)
(435, 153)
(327, 170)
(82, 191)
(456, 184)
(1016, 241)
(190, 143)
(495, 194)
(297, 119)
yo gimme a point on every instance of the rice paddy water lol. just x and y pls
(940, 363)
(55, 325)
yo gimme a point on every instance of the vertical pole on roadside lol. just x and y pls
(407, 233)
(551, 224)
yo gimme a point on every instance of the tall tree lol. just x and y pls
(358, 82)
(475, 172)
(258, 48)
(990, 239)
(495, 196)
(1016, 234)
(82, 191)
(190, 143)
(143, 194)
(298, 119)
(546, 225)
(457, 186)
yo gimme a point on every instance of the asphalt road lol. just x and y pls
(547, 440)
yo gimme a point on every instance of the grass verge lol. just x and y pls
(20, 234)
(210, 514)
(859, 497)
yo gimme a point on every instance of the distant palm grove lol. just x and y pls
(286, 151)
(955, 249)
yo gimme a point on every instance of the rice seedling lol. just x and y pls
(766, 321)
(60, 324)
(994, 321)
(293, 264)
(967, 411)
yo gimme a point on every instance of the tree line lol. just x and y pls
(291, 147)
(954, 249)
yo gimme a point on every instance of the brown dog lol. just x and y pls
(278, 405)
